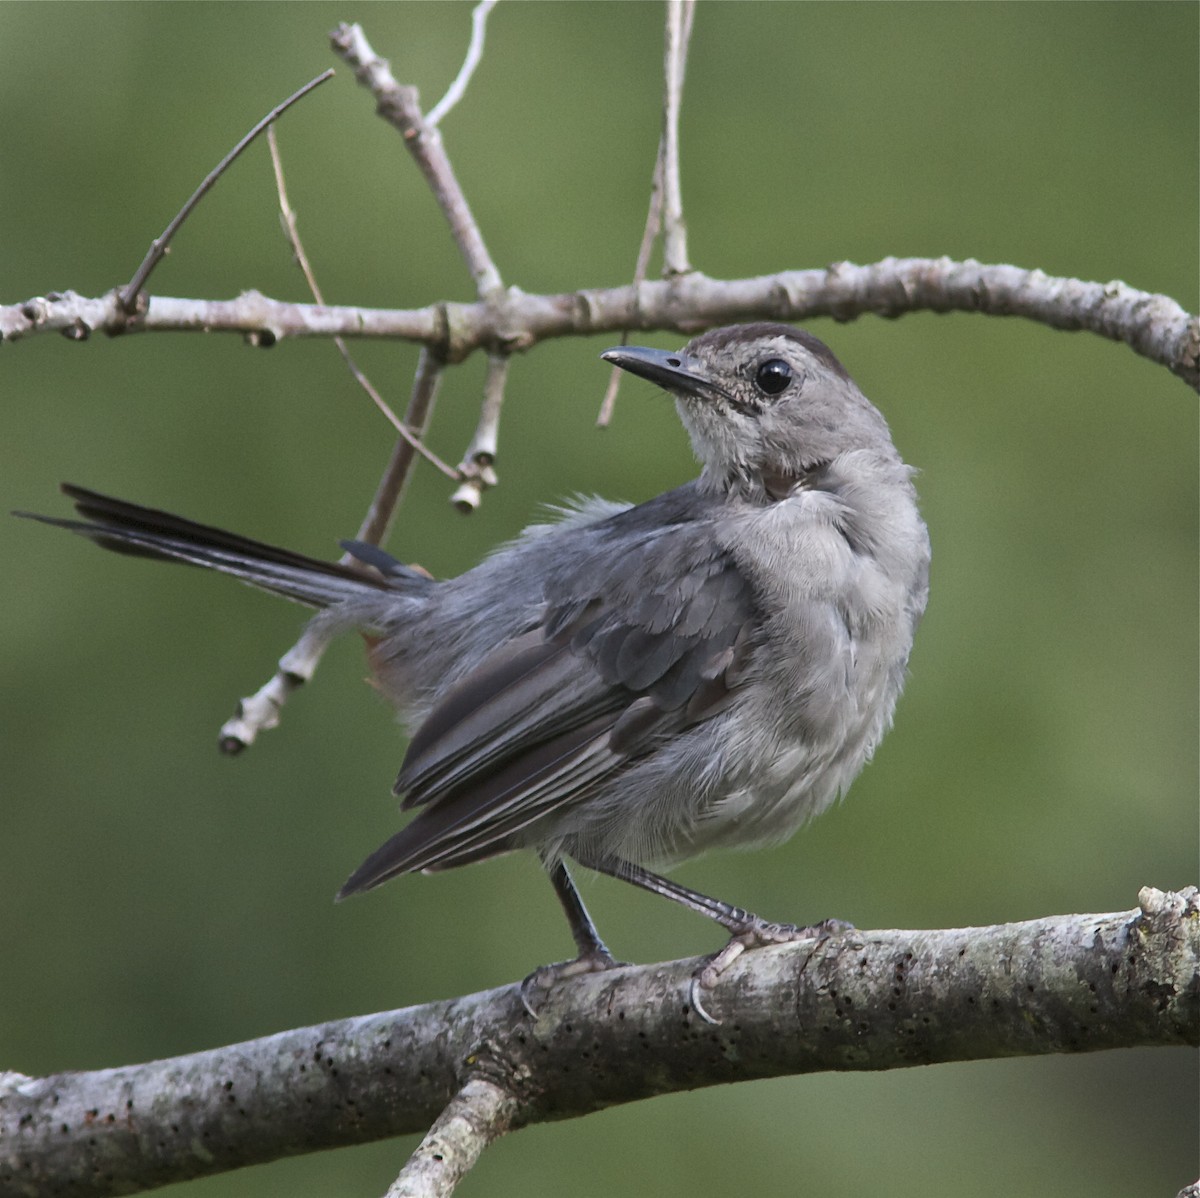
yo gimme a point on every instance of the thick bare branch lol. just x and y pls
(1154, 326)
(864, 1001)
(261, 320)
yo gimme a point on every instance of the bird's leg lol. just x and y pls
(746, 930)
(594, 956)
(583, 930)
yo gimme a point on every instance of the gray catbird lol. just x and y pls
(634, 685)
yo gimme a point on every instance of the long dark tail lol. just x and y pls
(146, 532)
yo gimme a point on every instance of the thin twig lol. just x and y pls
(679, 30)
(158, 247)
(260, 711)
(649, 236)
(478, 1115)
(477, 467)
(292, 232)
(378, 520)
(482, 450)
(400, 105)
(456, 90)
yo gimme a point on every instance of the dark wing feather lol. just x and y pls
(639, 638)
(470, 824)
(525, 693)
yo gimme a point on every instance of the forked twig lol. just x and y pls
(257, 712)
(158, 247)
(400, 106)
(261, 710)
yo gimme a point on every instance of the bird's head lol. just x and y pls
(766, 406)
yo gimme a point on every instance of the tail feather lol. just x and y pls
(147, 532)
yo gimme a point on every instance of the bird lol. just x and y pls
(627, 686)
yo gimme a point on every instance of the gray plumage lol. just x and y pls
(635, 685)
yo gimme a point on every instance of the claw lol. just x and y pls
(756, 933)
(694, 998)
(546, 977)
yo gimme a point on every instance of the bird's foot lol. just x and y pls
(755, 932)
(546, 977)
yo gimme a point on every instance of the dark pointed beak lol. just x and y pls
(672, 370)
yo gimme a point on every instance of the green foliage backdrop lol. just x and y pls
(158, 898)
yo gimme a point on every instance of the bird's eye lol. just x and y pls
(773, 376)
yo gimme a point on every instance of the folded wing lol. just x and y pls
(630, 649)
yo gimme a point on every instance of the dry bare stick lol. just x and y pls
(678, 34)
(158, 247)
(426, 381)
(261, 710)
(476, 468)
(649, 236)
(478, 1115)
(257, 712)
(679, 30)
(458, 88)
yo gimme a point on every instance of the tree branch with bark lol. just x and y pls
(1154, 326)
(477, 1066)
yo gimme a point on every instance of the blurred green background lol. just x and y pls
(158, 898)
